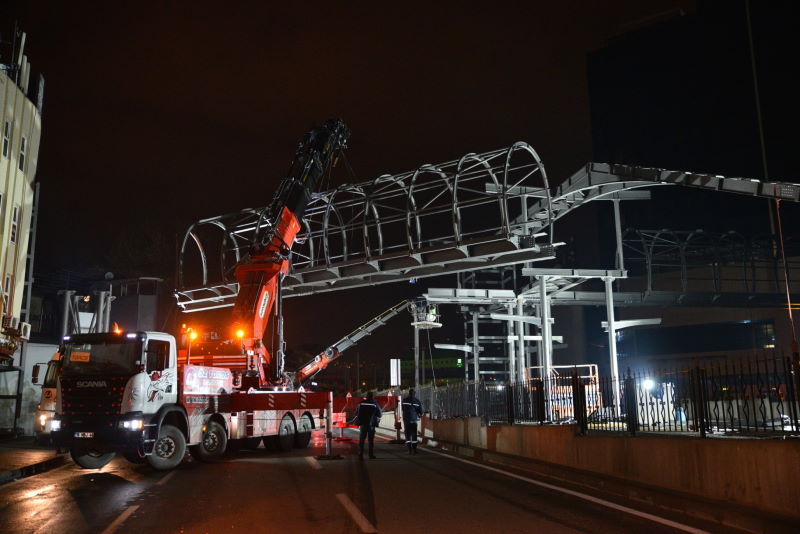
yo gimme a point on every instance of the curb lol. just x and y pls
(33, 469)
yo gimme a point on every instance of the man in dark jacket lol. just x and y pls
(368, 413)
(412, 411)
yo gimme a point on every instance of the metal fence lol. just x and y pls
(751, 397)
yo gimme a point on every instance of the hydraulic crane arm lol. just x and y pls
(259, 274)
(331, 353)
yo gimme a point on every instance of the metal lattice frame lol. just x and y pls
(434, 220)
(727, 261)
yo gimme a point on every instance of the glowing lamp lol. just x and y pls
(240, 333)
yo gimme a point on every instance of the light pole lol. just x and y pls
(191, 337)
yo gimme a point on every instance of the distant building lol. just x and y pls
(681, 94)
(20, 131)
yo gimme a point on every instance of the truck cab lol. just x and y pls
(47, 400)
(114, 394)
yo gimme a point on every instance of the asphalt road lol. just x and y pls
(261, 492)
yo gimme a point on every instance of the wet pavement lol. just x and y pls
(22, 457)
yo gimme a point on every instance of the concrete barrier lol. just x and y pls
(762, 474)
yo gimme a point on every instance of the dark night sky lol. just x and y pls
(158, 116)
(193, 110)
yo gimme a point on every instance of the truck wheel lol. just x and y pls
(286, 433)
(168, 450)
(90, 458)
(304, 428)
(215, 441)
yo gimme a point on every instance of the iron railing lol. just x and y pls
(747, 397)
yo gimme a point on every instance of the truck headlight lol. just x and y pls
(133, 424)
(55, 425)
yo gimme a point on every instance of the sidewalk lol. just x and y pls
(21, 457)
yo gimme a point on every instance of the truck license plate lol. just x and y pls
(84, 434)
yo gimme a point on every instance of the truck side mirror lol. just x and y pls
(35, 373)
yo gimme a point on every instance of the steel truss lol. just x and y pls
(435, 220)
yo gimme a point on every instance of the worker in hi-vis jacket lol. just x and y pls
(412, 411)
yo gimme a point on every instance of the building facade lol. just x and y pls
(20, 133)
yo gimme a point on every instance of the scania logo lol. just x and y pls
(91, 384)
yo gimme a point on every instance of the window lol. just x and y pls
(6, 138)
(23, 145)
(157, 355)
(14, 223)
(6, 293)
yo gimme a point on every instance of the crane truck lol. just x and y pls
(141, 395)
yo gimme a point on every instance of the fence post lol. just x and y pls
(631, 406)
(538, 400)
(699, 399)
(796, 377)
(579, 401)
(510, 403)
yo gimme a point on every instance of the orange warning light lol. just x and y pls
(192, 335)
(240, 333)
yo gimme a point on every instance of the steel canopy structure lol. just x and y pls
(435, 220)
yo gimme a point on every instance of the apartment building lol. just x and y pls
(20, 131)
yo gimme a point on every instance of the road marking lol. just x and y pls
(165, 478)
(601, 502)
(313, 462)
(362, 522)
(121, 519)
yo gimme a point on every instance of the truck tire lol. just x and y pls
(89, 457)
(169, 449)
(213, 445)
(304, 428)
(286, 434)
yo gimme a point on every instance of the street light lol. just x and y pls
(191, 337)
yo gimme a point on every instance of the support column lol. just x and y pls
(99, 311)
(512, 356)
(416, 357)
(612, 342)
(107, 319)
(547, 337)
(539, 345)
(521, 349)
(547, 347)
(476, 348)
(620, 258)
